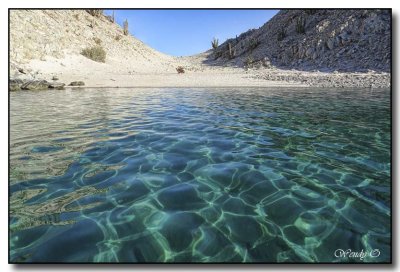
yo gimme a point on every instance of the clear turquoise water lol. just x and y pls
(199, 175)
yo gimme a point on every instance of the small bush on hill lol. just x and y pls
(95, 53)
(281, 34)
(214, 43)
(180, 70)
(249, 61)
(253, 43)
(301, 25)
(97, 40)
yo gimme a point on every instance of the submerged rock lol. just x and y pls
(77, 83)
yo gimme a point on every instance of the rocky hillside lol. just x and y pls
(44, 34)
(324, 40)
(327, 48)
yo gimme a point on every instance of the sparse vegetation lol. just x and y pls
(97, 40)
(231, 51)
(281, 34)
(126, 26)
(96, 53)
(118, 37)
(217, 54)
(253, 43)
(301, 25)
(111, 18)
(76, 16)
(180, 70)
(249, 61)
(214, 43)
(95, 12)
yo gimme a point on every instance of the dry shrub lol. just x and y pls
(97, 40)
(96, 53)
(249, 61)
(180, 70)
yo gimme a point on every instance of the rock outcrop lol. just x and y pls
(323, 40)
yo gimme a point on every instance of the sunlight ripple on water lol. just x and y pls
(199, 175)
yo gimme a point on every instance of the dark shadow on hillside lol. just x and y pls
(338, 59)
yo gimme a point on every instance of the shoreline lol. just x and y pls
(222, 87)
(95, 75)
(346, 81)
(126, 74)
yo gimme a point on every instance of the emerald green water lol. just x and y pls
(199, 175)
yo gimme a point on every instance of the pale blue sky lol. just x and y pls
(187, 32)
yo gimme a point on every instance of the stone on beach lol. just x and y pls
(57, 86)
(77, 83)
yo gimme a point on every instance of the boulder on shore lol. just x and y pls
(15, 84)
(35, 85)
(77, 83)
(57, 86)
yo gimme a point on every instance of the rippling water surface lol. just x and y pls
(199, 175)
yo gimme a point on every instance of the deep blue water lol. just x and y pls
(199, 175)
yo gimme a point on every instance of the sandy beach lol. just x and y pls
(118, 74)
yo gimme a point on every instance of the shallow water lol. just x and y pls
(199, 175)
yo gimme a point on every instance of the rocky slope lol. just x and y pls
(323, 40)
(42, 35)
